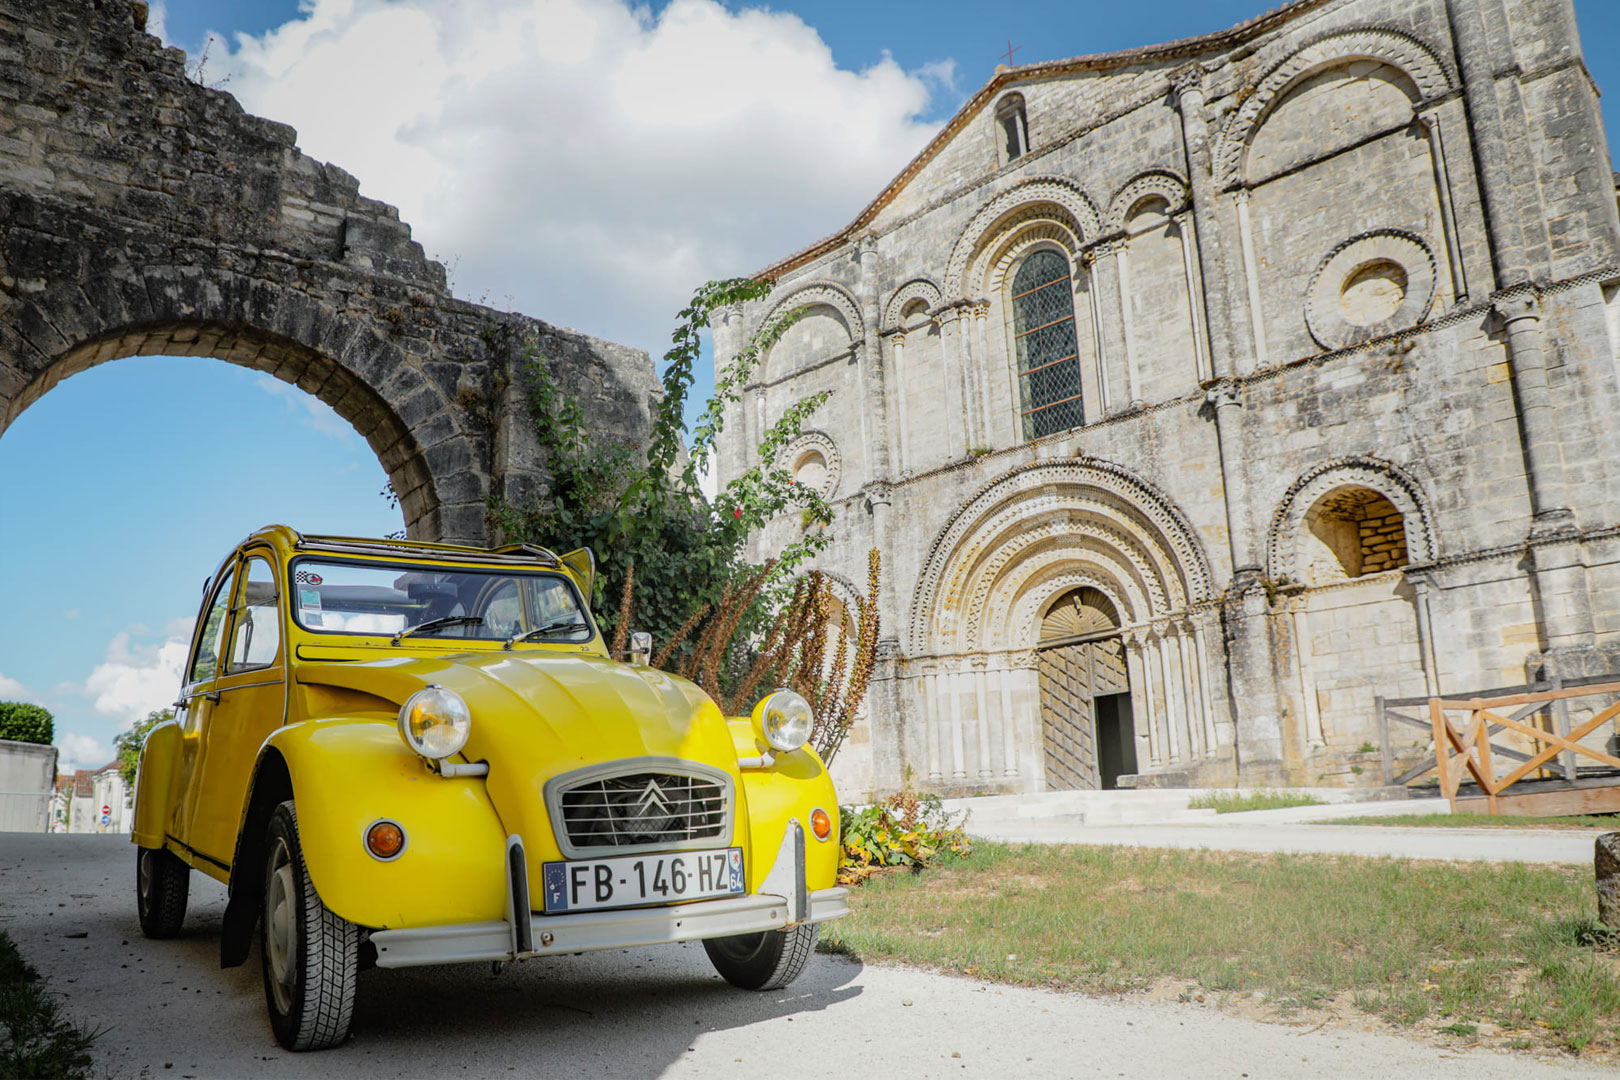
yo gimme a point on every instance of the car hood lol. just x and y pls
(536, 715)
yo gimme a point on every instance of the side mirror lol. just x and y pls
(641, 648)
(581, 563)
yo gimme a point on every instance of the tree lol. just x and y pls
(23, 721)
(647, 511)
(128, 744)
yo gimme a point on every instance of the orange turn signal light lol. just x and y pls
(820, 823)
(385, 840)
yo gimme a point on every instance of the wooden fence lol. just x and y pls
(1464, 746)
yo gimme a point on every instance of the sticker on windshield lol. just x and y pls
(309, 602)
(307, 577)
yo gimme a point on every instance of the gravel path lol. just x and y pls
(169, 1011)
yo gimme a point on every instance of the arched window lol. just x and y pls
(1351, 532)
(1043, 333)
(1014, 129)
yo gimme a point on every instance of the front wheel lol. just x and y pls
(311, 956)
(162, 885)
(768, 960)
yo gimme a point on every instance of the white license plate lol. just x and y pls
(633, 880)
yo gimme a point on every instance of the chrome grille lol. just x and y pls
(640, 810)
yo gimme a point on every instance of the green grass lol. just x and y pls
(36, 1040)
(1415, 943)
(1486, 821)
(1235, 802)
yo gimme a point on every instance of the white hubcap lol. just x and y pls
(280, 925)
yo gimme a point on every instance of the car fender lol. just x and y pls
(154, 783)
(347, 774)
(796, 784)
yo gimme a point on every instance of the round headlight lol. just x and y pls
(435, 722)
(784, 719)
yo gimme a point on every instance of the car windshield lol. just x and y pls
(341, 597)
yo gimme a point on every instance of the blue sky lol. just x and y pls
(127, 483)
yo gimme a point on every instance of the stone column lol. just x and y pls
(1227, 402)
(1203, 623)
(1299, 607)
(1104, 393)
(1133, 373)
(1221, 314)
(953, 679)
(897, 349)
(1197, 745)
(1430, 120)
(955, 418)
(981, 365)
(869, 367)
(1105, 286)
(931, 722)
(1174, 742)
(1149, 743)
(1251, 280)
(1185, 234)
(980, 702)
(1559, 567)
(1009, 723)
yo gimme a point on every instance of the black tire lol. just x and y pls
(765, 961)
(311, 956)
(162, 885)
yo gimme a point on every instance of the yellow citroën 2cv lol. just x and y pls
(398, 753)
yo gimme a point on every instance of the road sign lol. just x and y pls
(106, 811)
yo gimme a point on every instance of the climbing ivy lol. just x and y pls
(646, 509)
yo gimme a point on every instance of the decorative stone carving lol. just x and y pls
(1370, 285)
(1394, 47)
(824, 293)
(916, 289)
(813, 460)
(1007, 252)
(1161, 182)
(1386, 478)
(1076, 209)
(1123, 515)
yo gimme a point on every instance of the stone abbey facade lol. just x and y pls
(1198, 394)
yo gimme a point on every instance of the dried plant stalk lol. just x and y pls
(621, 633)
(680, 635)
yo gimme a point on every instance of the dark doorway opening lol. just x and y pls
(1116, 739)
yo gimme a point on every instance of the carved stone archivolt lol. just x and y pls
(1371, 285)
(1394, 47)
(916, 289)
(1019, 239)
(1006, 549)
(819, 293)
(813, 459)
(1384, 477)
(1160, 182)
(1051, 197)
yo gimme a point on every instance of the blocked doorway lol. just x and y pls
(1087, 728)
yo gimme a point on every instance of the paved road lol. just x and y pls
(169, 1011)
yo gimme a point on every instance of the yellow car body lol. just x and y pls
(278, 708)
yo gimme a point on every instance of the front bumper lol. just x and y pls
(558, 934)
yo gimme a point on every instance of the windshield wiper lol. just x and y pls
(569, 625)
(439, 624)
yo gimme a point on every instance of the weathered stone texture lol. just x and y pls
(1354, 253)
(141, 213)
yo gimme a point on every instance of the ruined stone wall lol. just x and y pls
(1396, 224)
(141, 213)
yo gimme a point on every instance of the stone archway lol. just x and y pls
(989, 588)
(169, 221)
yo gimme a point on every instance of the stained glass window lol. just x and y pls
(1048, 358)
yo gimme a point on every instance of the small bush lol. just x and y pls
(905, 829)
(21, 721)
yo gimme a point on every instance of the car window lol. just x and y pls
(256, 639)
(205, 665)
(333, 596)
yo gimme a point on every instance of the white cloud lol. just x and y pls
(586, 158)
(312, 411)
(80, 752)
(12, 690)
(136, 677)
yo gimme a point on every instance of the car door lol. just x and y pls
(194, 711)
(250, 704)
